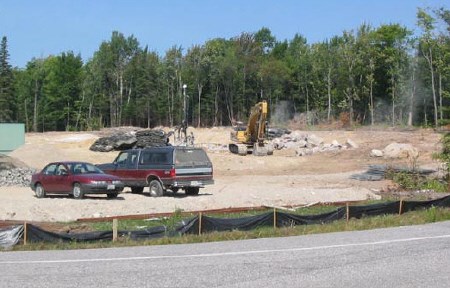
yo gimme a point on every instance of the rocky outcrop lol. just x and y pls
(128, 140)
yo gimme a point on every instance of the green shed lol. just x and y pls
(12, 136)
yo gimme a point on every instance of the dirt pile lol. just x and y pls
(14, 172)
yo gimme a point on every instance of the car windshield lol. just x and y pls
(84, 168)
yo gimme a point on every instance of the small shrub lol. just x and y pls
(415, 181)
(444, 156)
(172, 221)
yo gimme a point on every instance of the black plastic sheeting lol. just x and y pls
(210, 224)
(10, 236)
(378, 172)
(36, 234)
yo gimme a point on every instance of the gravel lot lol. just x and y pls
(241, 181)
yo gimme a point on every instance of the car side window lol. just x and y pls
(61, 170)
(133, 157)
(78, 169)
(122, 158)
(159, 158)
(50, 169)
(146, 157)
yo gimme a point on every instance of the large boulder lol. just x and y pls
(120, 141)
(400, 150)
(128, 140)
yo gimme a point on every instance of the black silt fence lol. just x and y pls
(204, 224)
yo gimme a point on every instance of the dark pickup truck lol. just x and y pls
(162, 168)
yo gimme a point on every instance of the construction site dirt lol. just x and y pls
(282, 179)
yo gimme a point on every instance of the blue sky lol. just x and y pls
(48, 27)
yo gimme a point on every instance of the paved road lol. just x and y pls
(416, 256)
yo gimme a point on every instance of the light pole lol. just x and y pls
(184, 103)
(184, 111)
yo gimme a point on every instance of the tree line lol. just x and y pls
(365, 76)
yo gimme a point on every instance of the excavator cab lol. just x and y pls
(238, 132)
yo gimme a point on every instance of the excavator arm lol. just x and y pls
(256, 128)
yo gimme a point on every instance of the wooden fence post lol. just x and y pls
(25, 233)
(199, 223)
(274, 218)
(400, 208)
(347, 211)
(114, 228)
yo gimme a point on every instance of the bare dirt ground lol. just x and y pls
(240, 181)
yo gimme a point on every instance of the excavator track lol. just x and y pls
(240, 149)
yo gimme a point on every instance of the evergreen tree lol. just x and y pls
(7, 107)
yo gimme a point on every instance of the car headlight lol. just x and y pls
(116, 182)
(98, 182)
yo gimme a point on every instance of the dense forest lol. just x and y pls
(366, 76)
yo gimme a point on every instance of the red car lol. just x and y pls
(75, 178)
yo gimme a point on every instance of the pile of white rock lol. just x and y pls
(307, 144)
(16, 177)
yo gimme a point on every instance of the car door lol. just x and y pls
(125, 165)
(61, 180)
(47, 178)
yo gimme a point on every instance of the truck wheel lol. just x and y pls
(40, 192)
(112, 195)
(191, 190)
(137, 190)
(156, 189)
(76, 191)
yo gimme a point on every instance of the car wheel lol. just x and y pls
(112, 195)
(77, 192)
(137, 190)
(39, 191)
(191, 190)
(156, 189)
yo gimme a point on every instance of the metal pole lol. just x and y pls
(184, 101)
(184, 112)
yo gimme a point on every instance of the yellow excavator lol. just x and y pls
(252, 139)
